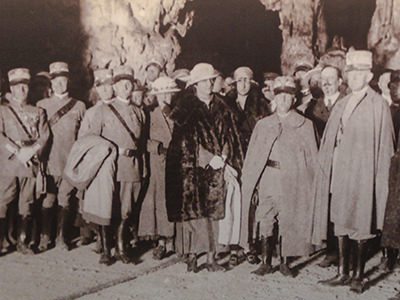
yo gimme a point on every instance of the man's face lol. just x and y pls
(268, 89)
(330, 81)
(123, 88)
(204, 87)
(137, 98)
(105, 91)
(383, 83)
(164, 99)
(283, 102)
(152, 73)
(394, 88)
(59, 84)
(358, 79)
(243, 85)
(19, 92)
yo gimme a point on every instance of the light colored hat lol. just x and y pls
(358, 60)
(19, 75)
(201, 71)
(284, 84)
(181, 74)
(123, 72)
(58, 68)
(102, 76)
(156, 61)
(242, 72)
(164, 84)
(302, 65)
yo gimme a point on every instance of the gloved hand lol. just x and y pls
(217, 162)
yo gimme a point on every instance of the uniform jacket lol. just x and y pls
(193, 190)
(64, 132)
(363, 162)
(297, 163)
(12, 133)
(109, 127)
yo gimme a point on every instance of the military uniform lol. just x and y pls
(22, 126)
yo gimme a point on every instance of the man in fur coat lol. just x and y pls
(352, 178)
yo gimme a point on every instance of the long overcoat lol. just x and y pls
(297, 162)
(193, 190)
(359, 201)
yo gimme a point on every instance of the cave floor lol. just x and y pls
(57, 274)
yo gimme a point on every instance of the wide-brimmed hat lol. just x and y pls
(181, 74)
(123, 72)
(360, 60)
(19, 75)
(242, 72)
(58, 68)
(284, 84)
(201, 71)
(102, 76)
(164, 84)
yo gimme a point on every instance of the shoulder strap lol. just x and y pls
(62, 112)
(119, 117)
(20, 122)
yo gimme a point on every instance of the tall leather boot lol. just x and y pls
(63, 218)
(342, 277)
(266, 255)
(121, 243)
(45, 237)
(106, 257)
(357, 281)
(22, 247)
(284, 266)
(3, 224)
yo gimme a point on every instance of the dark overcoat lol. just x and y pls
(297, 162)
(358, 203)
(193, 190)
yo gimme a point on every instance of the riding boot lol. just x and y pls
(357, 281)
(3, 224)
(342, 277)
(266, 254)
(22, 247)
(45, 237)
(63, 222)
(121, 243)
(284, 266)
(106, 257)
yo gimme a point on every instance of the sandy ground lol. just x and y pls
(57, 274)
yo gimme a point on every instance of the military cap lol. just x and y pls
(156, 61)
(102, 76)
(58, 68)
(164, 84)
(123, 72)
(358, 60)
(19, 75)
(302, 65)
(284, 84)
(242, 72)
(201, 71)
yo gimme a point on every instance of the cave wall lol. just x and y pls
(133, 32)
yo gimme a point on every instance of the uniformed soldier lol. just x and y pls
(122, 122)
(24, 134)
(154, 69)
(64, 116)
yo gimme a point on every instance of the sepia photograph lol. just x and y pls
(199, 149)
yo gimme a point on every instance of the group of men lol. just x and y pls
(202, 164)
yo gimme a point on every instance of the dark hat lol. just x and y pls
(270, 76)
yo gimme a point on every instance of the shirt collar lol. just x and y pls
(241, 100)
(332, 98)
(61, 96)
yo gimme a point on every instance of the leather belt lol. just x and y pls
(128, 152)
(273, 164)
